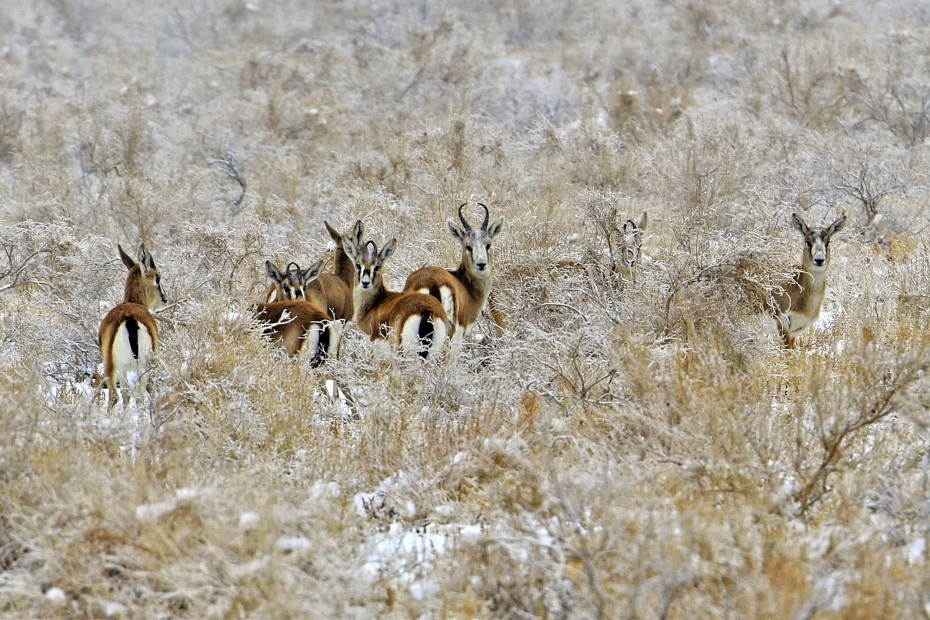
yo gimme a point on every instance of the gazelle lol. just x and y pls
(413, 321)
(629, 248)
(329, 292)
(798, 302)
(463, 292)
(296, 321)
(128, 334)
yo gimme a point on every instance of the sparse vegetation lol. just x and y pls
(627, 447)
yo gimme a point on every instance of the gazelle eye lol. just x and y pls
(488, 247)
(470, 249)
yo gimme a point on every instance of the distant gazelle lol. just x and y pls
(629, 248)
(128, 335)
(412, 321)
(463, 292)
(297, 323)
(798, 302)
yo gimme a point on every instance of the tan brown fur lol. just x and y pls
(463, 292)
(291, 332)
(798, 303)
(142, 292)
(385, 315)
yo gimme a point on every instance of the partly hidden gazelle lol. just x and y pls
(797, 304)
(412, 321)
(297, 323)
(629, 248)
(331, 292)
(128, 334)
(463, 292)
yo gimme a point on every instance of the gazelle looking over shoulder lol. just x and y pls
(463, 292)
(414, 322)
(296, 322)
(128, 334)
(798, 302)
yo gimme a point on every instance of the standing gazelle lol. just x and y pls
(463, 292)
(128, 334)
(296, 321)
(798, 302)
(414, 322)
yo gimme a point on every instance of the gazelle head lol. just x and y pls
(292, 283)
(817, 242)
(143, 283)
(476, 244)
(368, 261)
(630, 244)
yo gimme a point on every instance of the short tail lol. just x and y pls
(319, 340)
(425, 334)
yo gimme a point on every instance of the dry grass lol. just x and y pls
(635, 449)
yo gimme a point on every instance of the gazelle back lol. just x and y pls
(412, 321)
(463, 292)
(799, 301)
(128, 334)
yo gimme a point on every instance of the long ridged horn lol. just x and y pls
(487, 214)
(462, 217)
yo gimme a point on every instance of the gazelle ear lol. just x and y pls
(311, 274)
(388, 249)
(146, 262)
(127, 260)
(357, 232)
(836, 226)
(643, 221)
(273, 272)
(350, 248)
(799, 224)
(333, 233)
(495, 228)
(455, 231)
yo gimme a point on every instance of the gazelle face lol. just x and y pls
(476, 244)
(631, 241)
(368, 261)
(817, 242)
(148, 284)
(293, 282)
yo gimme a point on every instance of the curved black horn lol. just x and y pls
(289, 265)
(462, 217)
(487, 214)
(374, 247)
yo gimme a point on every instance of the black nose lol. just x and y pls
(481, 266)
(818, 262)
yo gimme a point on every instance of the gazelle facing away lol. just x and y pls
(296, 322)
(128, 334)
(463, 292)
(629, 247)
(798, 302)
(414, 322)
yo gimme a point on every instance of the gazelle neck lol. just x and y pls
(343, 267)
(135, 292)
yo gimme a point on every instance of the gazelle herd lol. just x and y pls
(306, 311)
